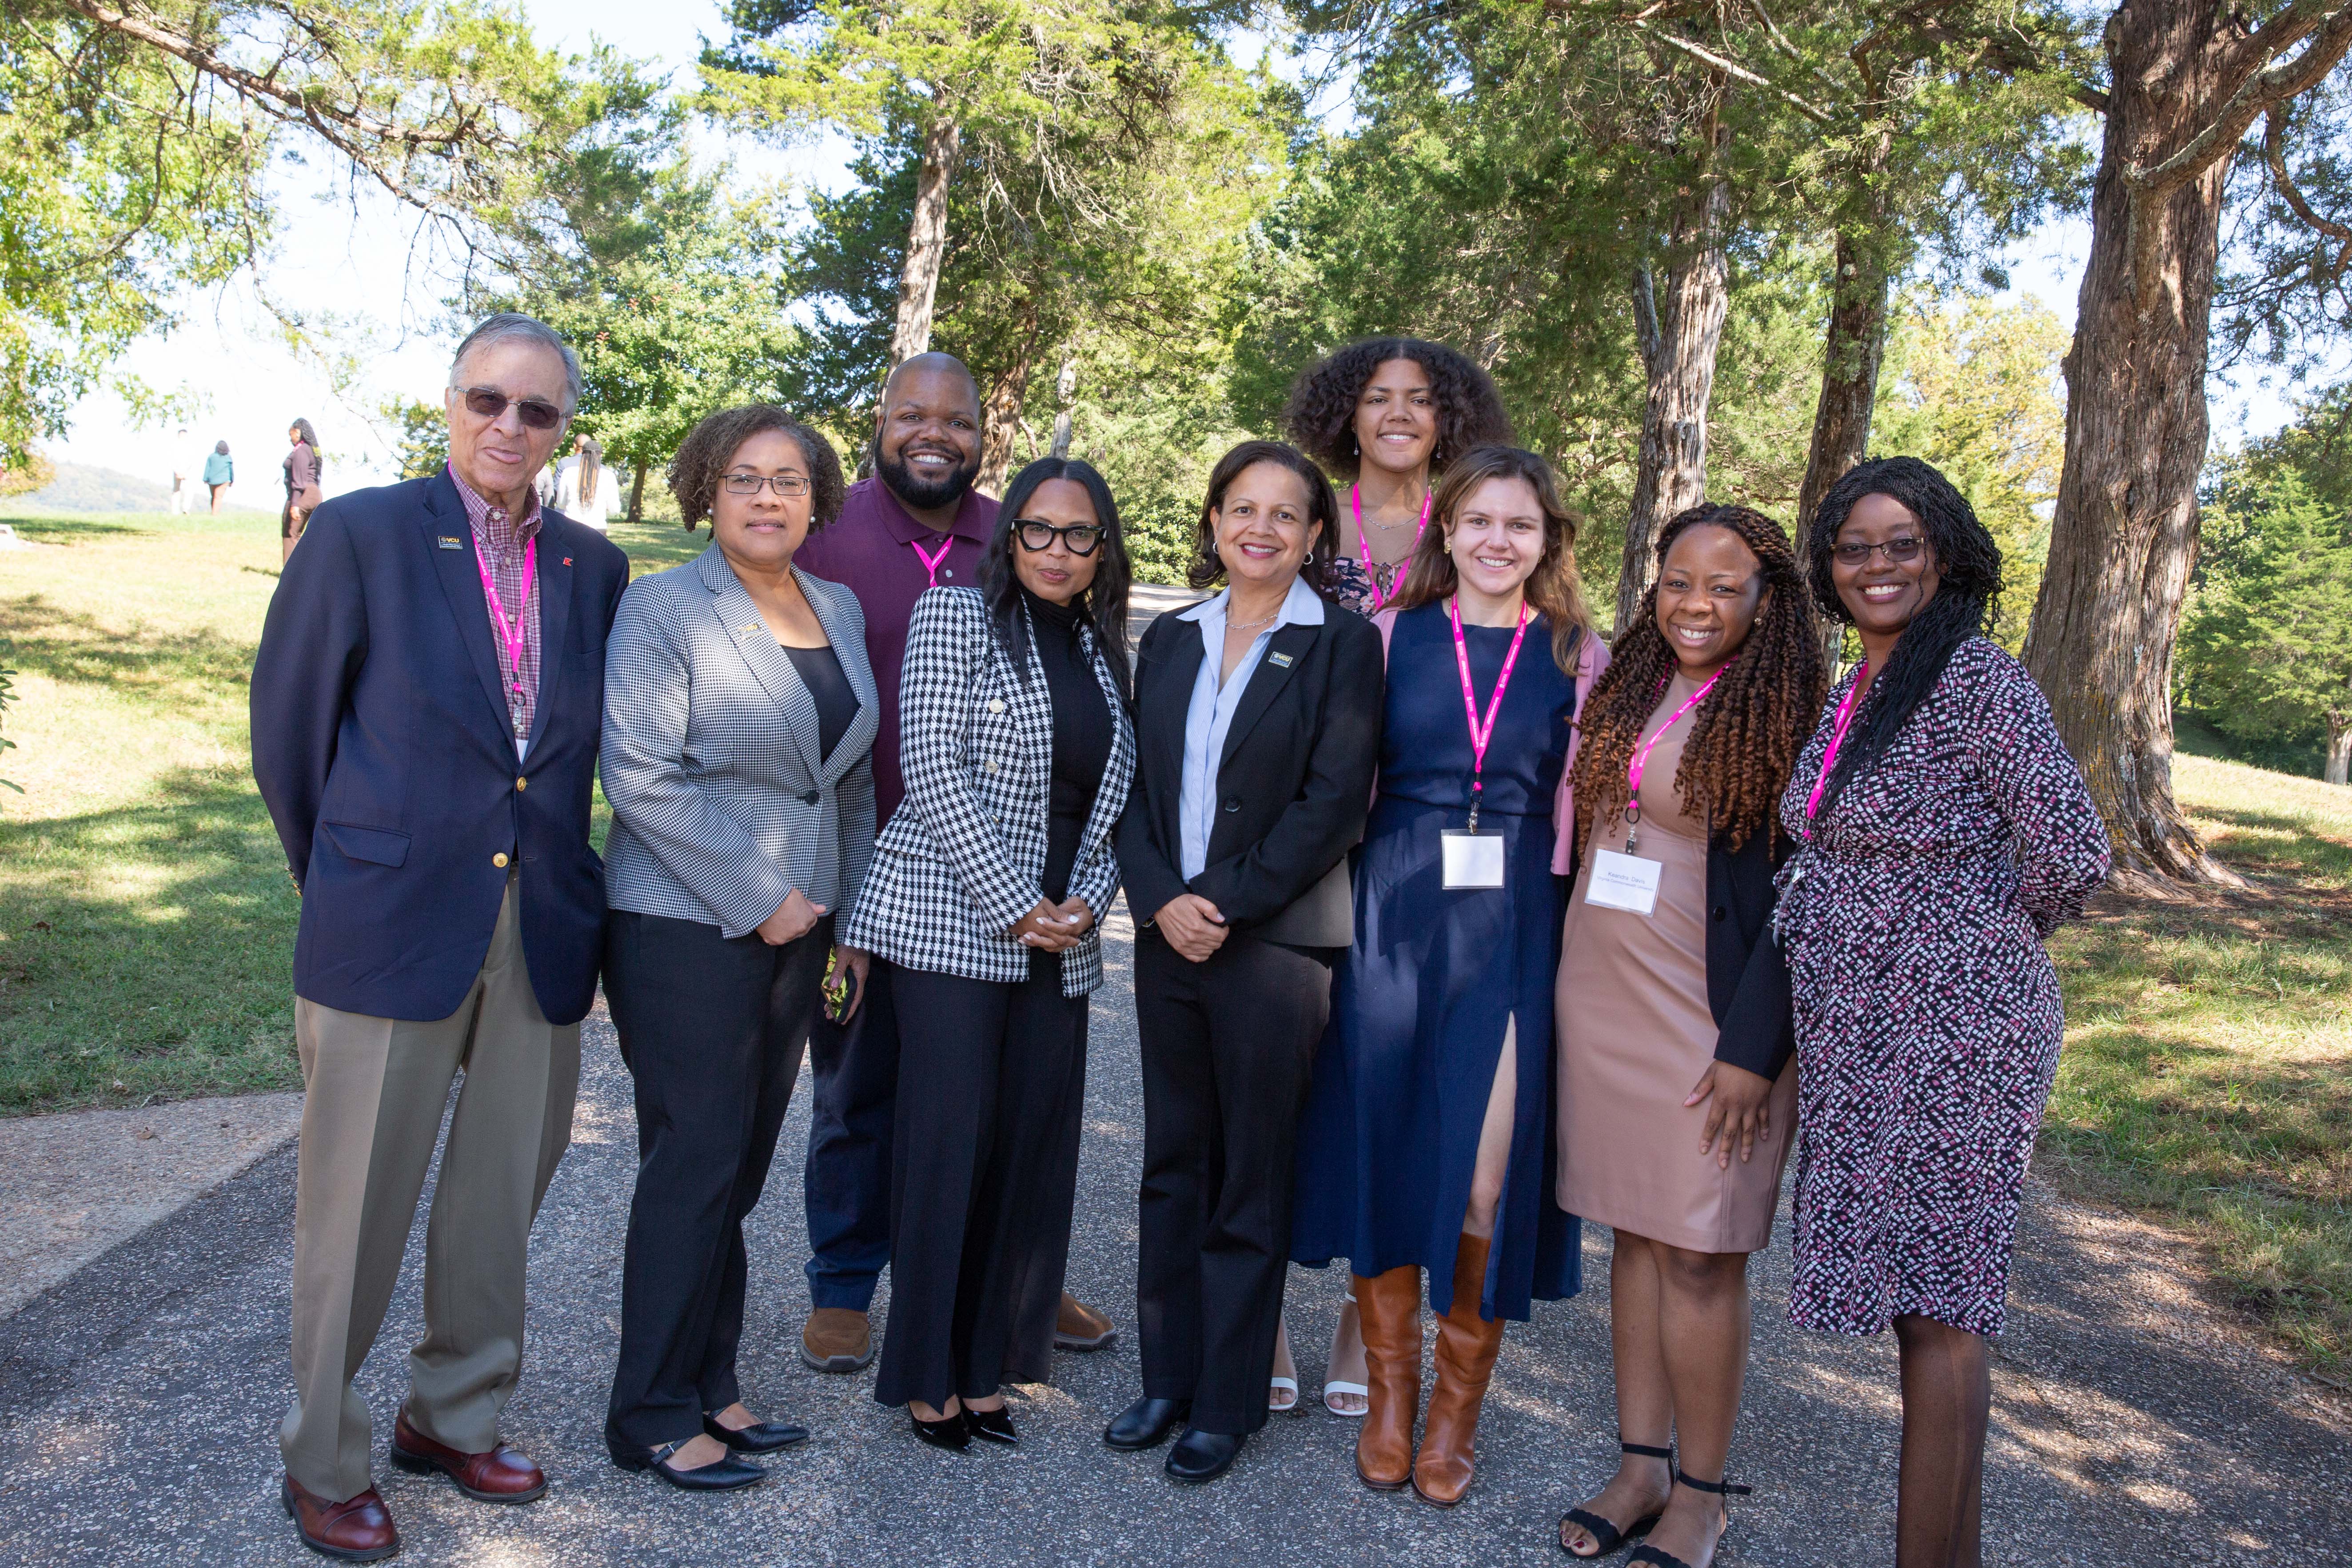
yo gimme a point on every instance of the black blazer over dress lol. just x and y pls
(1746, 977)
(1294, 782)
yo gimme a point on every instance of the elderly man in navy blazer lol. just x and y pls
(426, 707)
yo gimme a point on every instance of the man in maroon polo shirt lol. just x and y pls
(916, 524)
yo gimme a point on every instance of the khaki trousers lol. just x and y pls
(371, 1114)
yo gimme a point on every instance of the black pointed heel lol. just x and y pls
(759, 1438)
(953, 1432)
(1609, 1537)
(1661, 1558)
(993, 1426)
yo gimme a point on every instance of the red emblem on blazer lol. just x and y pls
(567, 560)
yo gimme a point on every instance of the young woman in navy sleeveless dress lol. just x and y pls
(1428, 1135)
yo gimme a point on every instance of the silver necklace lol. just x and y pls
(1253, 625)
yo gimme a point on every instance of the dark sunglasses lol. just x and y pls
(1081, 537)
(489, 403)
(749, 484)
(1899, 550)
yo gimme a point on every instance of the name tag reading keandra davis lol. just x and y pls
(1623, 882)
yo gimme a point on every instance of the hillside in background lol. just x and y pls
(80, 488)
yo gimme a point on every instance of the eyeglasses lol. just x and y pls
(1081, 537)
(1898, 552)
(749, 484)
(489, 403)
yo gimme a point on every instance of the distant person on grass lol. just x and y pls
(428, 704)
(219, 473)
(183, 484)
(583, 489)
(303, 492)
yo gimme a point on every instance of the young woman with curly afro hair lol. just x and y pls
(1675, 1036)
(1384, 417)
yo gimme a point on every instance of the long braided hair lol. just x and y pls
(1966, 599)
(1745, 738)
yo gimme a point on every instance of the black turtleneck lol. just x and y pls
(1082, 735)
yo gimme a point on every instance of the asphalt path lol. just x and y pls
(2137, 1420)
(139, 1403)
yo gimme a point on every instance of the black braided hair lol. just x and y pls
(1967, 598)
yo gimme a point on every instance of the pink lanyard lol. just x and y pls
(1640, 758)
(511, 633)
(931, 563)
(1640, 753)
(1481, 734)
(1829, 757)
(1364, 546)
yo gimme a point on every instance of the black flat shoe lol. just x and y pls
(761, 1437)
(993, 1426)
(718, 1476)
(953, 1432)
(1202, 1456)
(1146, 1422)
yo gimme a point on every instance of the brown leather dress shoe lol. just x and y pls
(1078, 1327)
(356, 1530)
(837, 1339)
(502, 1475)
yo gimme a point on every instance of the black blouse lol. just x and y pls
(1082, 735)
(836, 704)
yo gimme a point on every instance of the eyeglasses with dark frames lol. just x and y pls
(1035, 533)
(488, 402)
(749, 484)
(1899, 550)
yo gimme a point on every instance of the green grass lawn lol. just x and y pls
(146, 923)
(2206, 1080)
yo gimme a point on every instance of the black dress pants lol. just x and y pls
(1228, 1049)
(712, 1029)
(985, 1173)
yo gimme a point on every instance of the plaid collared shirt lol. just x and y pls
(500, 537)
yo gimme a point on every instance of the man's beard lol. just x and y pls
(923, 493)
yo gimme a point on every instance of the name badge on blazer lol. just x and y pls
(451, 541)
(1279, 660)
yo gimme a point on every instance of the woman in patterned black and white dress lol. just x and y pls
(1946, 833)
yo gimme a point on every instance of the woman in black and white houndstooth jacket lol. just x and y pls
(984, 898)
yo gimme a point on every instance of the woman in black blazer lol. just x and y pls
(1677, 1094)
(1257, 732)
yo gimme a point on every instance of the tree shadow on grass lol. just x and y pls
(148, 949)
(51, 528)
(74, 647)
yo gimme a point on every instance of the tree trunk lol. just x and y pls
(1000, 415)
(2125, 532)
(927, 241)
(637, 495)
(1852, 351)
(1679, 329)
(1065, 387)
(2339, 749)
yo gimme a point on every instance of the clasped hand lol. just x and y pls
(1192, 926)
(1052, 927)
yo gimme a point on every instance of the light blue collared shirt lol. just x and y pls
(1212, 713)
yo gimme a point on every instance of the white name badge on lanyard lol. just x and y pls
(1623, 882)
(1473, 858)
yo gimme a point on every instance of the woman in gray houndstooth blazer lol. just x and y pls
(985, 896)
(738, 709)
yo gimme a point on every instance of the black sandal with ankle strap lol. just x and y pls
(1665, 1559)
(1608, 1536)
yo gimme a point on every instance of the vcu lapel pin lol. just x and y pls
(451, 541)
(1279, 660)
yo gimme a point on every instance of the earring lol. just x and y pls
(1212, 547)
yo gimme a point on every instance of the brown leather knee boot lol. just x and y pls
(1388, 1306)
(1467, 1347)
